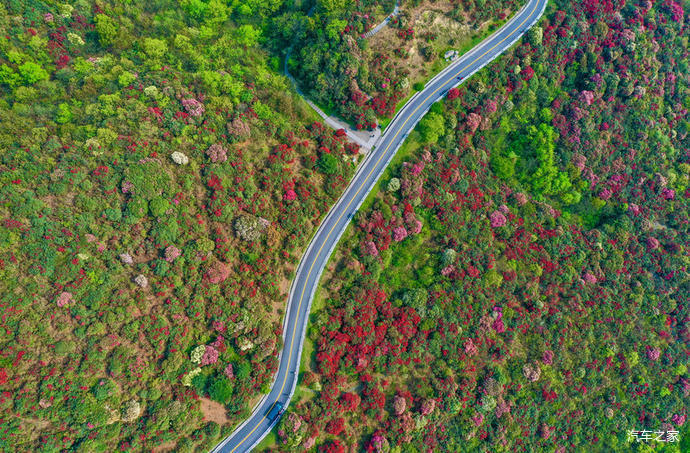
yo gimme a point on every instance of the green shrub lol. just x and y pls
(106, 28)
(213, 430)
(126, 79)
(9, 77)
(32, 72)
(162, 268)
(431, 127)
(63, 347)
(158, 206)
(103, 389)
(220, 389)
(137, 207)
(328, 164)
(113, 214)
(199, 382)
(64, 114)
(148, 179)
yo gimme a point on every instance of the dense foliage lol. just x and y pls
(521, 282)
(338, 68)
(158, 182)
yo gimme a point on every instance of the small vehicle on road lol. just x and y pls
(275, 412)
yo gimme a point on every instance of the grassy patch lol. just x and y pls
(317, 304)
(409, 146)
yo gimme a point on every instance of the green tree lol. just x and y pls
(247, 35)
(417, 299)
(331, 6)
(243, 370)
(9, 77)
(213, 430)
(199, 382)
(113, 214)
(64, 113)
(154, 48)
(431, 127)
(492, 278)
(32, 72)
(126, 79)
(196, 9)
(106, 28)
(137, 207)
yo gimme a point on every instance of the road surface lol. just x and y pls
(250, 433)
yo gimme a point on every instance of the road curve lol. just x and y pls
(250, 433)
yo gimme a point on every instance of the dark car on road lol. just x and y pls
(275, 412)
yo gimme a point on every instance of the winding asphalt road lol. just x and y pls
(250, 433)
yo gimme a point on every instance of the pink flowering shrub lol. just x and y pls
(531, 371)
(586, 97)
(521, 198)
(678, 419)
(399, 233)
(473, 121)
(193, 107)
(579, 161)
(497, 219)
(294, 420)
(502, 407)
(370, 248)
(217, 153)
(126, 258)
(218, 272)
(64, 298)
(605, 193)
(171, 252)
(653, 353)
(652, 243)
(428, 406)
(448, 270)
(210, 356)
(127, 186)
(218, 325)
(668, 194)
(588, 277)
(399, 405)
(470, 347)
(478, 420)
